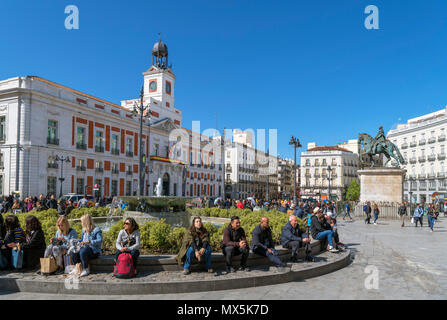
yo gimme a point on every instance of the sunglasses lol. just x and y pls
(128, 223)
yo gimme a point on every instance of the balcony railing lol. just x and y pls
(422, 176)
(54, 141)
(422, 159)
(422, 142)
(441, 175)
(307, 175)
(99, 149)
(129, 154)
(53, 165)
(413, 144)
(81, 145)
(80, 168)
(431, 157)
(129, 172)
(432, 140)
(317, 175)
(432, 187)
(115, 152)
(115, 171)
(99, 169)
(404, 146)
(441, 156)
(413, 160)
(441, 138)
(423, 186)
(431, 175)
(412, 176)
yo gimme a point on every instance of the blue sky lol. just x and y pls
(306, 68)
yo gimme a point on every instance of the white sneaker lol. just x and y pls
(74, 271)
(85, 272)
(332, 249)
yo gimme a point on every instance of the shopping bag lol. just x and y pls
(412, 220)
(48, 265)
(17, 257)
(68, 265)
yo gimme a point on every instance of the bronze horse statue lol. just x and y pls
(388, 148)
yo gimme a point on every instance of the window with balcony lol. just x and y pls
(129, 170)
(80, 186)
(80, 138)
(114, 188)
(115, 169)
(51, 185)
(2, 129)
(98, 166)
(128, 188)
(52, 163)
(307, 163)
(115, 144)
(129, 149)
(81, 165)
(52, 133)
(99, 146)
(157, 147)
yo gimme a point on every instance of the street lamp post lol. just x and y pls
(61, 179)
(139, 109)
(295, 142)
(268, 175)
(329, 169)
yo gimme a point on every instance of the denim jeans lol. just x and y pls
(229, 252)
(84, 255)
(376, 216)
(191, 254)
(326, 234)
(134, 253)
(273, 257)
(431, 222)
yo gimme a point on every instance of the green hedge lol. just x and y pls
(160, 237)
(157, 204)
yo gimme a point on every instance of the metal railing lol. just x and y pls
(54, 141)
(81, 145)
(129, 154)
(53, 165)
(115, 152)
(99, 149)
(80, 168)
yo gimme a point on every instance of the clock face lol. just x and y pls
(168, 87)
(153, 86)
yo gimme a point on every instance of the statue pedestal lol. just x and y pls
(381, 184)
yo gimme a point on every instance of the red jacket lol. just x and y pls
(240, 205)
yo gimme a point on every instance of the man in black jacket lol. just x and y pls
(235, 243)
(262, 242)
(292, 238)
(52, 203)
(368, 213)
(402, 213)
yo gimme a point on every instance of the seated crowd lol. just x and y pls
(69, 251)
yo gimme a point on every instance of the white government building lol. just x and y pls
(41, 121)
(321, 164)
(422, 143)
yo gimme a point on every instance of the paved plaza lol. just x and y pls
(410, 264)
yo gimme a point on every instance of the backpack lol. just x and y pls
(124, 267)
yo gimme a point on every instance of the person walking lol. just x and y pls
(376, 213)
(402, 211)
(431, 217)
(417, 215)
(368, 213)
(347, 211)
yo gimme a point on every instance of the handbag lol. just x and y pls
(17, 257)
(48, 265)
(68, 264)
(412, 220)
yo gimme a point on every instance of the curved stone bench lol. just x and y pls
(169, 263)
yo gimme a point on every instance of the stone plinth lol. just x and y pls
(381, 184)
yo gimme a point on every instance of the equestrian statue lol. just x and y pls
(377, 146)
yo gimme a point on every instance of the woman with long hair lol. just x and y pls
(195, 243)
(14, 235)
(376, 213)
(91, 241)
(34, 247)
(59, 245)
(128, 241)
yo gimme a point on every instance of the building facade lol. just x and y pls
(41, 121)
(327, 166)
(422, 143)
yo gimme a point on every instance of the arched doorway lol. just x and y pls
(165, 184)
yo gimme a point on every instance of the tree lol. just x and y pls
(353, 193)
